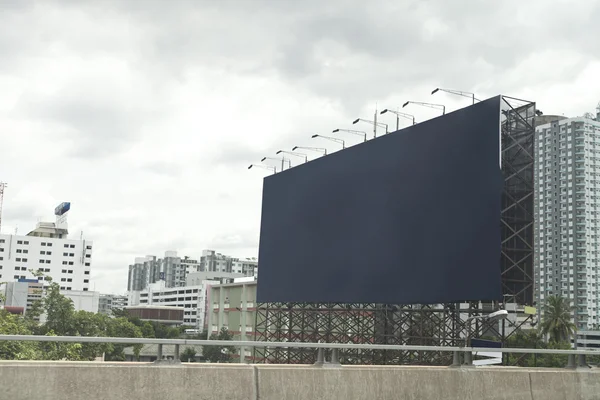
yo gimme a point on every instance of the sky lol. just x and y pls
(145, 114)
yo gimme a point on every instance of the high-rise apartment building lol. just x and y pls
(173, 270)
(567, 214)
(47, 249)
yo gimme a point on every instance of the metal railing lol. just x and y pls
(462, 356)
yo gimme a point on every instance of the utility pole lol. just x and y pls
(2, 186)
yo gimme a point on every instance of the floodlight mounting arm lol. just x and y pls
(343, 142)
(269, 167)
(457, 92)
(294, 154)
(399, 114)
(430, 105)
(361, 133)
(320, 149)
(282, 159)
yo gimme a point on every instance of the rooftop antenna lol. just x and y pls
(2, 186)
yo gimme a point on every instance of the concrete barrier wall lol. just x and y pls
(131, 381)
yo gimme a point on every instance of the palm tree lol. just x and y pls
(557, 319)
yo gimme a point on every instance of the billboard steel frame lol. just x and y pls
(433, 324)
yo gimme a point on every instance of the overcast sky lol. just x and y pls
(144, 114)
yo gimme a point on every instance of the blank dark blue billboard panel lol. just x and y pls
(410, 217)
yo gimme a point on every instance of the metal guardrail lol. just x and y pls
(461, 355)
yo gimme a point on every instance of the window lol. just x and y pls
(17, 259)
(41, 261)
(42, 252)
(1, 250)
(66, 246)
(69, 280)
(48, 253)
(47, 261)
(88, 256)
(86, 281)
(24, 260)
(49, 244)
(64, 263)
(26, 242)
(64, 271)
(62, 288)
(1, 240)
(43, 243)
(25, 251)
(65, 254)
(19, 251)
(70, 271)
(84, 289)
(68, 288)
(70, 262)
(86, 272)
(63, 279)
(72, 246)
(87, 264)
(19, 242)
(87, 247)
(71, 255)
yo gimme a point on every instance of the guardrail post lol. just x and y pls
(320, 357)
(581, 361)
(571, 361)
(456, 359)
(335, 357)
(176, 353)
(468, 357)
(159, 355)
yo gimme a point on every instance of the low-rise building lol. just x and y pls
(166, 315)
(109, 302)
(233, 306)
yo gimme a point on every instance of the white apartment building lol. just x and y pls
(192, 298)
(47, 249)
(24, 292)
(174, 269)
(567, 215)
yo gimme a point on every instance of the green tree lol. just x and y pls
(16, 325)
(188, 355)
(557, 319)
(219, 354)
(122, 327)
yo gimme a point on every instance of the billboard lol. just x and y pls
(412, 217)
(62, 208)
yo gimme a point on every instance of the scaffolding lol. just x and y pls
(427, 325)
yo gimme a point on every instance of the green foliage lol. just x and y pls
(534, 340)
(219, 354)
(15, 325)
(188, 355)
(162, 331)
(557, 319)
(63, 320)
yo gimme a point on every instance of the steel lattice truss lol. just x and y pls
(431, 325)
(435, 325)
(518, 134)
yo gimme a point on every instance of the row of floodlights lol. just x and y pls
(373, 122)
